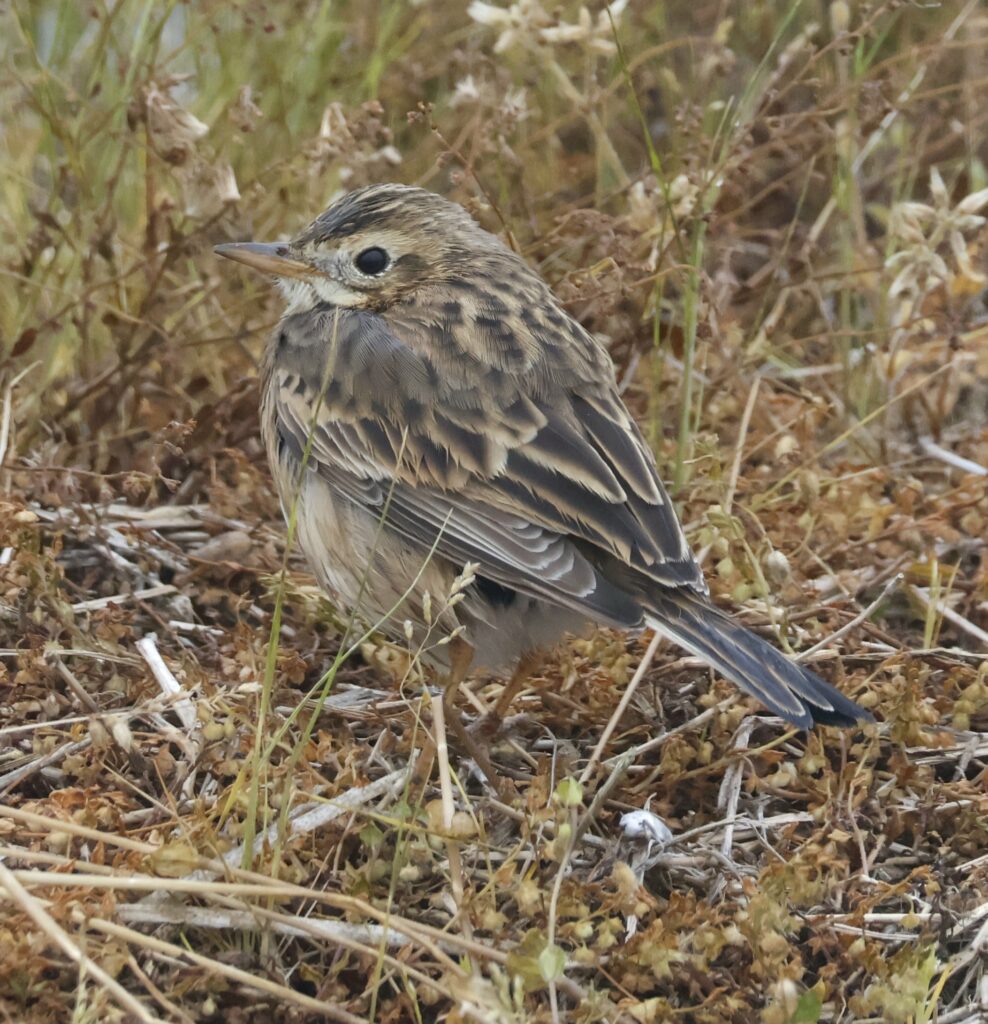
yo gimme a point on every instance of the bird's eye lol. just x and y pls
(372, 261)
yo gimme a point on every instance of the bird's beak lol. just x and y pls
(267, 257)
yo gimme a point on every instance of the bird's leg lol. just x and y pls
(527, 665)
(460, 659)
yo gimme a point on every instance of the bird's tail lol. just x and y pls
(782, 685)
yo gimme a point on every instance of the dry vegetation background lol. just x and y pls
(774, 213)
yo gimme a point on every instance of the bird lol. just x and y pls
(460, 464)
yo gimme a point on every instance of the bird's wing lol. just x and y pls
(521, 455)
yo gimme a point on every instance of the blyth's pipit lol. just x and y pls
(433, 383)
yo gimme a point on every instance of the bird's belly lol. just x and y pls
(398, 587)
(371, 570)
(528, 624)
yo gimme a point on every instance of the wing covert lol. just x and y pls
(526, 469)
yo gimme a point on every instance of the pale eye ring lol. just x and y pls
(372, 261)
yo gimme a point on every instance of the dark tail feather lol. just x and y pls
(782, 685)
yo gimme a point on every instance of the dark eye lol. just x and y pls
(372, 261)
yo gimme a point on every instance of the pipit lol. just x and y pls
(429, 405)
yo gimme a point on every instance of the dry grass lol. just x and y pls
(777, 223)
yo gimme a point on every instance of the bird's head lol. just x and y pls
(372, 248)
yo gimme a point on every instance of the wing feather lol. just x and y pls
(530, 466)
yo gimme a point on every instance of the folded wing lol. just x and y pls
(528, 467)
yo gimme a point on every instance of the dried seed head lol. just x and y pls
(775, 565)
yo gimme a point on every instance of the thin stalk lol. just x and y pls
(691, 304)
